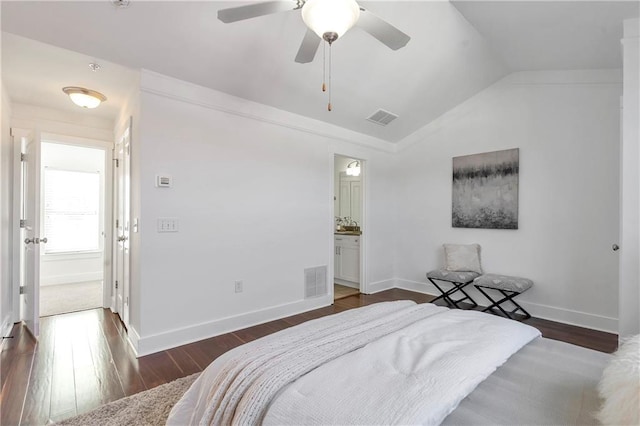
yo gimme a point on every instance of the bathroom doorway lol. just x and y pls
(348, 230)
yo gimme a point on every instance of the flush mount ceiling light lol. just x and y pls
(353, 169)
(84, 98)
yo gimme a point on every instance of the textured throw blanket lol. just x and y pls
(245, 387)
(251, 384)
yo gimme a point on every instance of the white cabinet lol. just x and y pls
(350, 197)
(347, 260)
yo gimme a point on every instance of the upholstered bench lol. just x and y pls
(459, 281)
(508, 286)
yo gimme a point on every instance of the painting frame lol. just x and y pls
(485, 190)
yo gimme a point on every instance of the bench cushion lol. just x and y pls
(503, 282)
(452, 276)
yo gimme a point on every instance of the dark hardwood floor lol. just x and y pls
(82, 360)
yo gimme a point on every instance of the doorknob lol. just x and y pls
(41, 240)
(30, 240)
(615, 247)
(122, 238)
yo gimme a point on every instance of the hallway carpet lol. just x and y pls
(63, 298)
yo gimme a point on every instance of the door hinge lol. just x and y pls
(21, 289)
(117, 162)
(23, 223)
(116, 284)
(23, 156)
(117, 223)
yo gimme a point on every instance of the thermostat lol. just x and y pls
(163, 181)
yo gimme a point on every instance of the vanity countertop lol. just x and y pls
(356, 233)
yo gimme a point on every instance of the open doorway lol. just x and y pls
(73, 206)
(348, 226)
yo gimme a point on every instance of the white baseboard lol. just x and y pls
(552, 313)
(417, 286)
(145, 345)
(71, 278)
(379, 286)
(134, 339)
(347, 283)
(569, 316)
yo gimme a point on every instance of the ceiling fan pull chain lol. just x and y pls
(329, 106)
(324, 66)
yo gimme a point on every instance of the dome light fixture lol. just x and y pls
(330, 19)
(353, 169)
(84, 98)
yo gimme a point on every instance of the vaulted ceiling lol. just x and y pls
(456, 49)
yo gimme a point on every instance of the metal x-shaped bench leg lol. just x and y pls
(447, 293)
(508, 295)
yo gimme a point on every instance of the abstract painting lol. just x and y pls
(485, 190)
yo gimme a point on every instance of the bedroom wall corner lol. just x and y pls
(566, 124)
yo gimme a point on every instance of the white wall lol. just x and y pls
(566, 125)
(630, 182)
(67, 268)
(6, 194)
(66, 123)
(252, 190)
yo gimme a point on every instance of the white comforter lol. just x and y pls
(416, 374)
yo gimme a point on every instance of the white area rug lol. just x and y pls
(150, 407)
(63, 298)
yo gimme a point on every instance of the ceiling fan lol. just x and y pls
(326, 20)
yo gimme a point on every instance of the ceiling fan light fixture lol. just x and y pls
(330, 16)
(84, 98)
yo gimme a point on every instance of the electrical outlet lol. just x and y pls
(238, 286)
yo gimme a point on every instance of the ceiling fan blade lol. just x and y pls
(382, 30)
(308, 48)
(240, 13)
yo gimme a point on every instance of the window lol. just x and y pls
(71, 211)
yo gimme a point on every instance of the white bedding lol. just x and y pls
(415, 375)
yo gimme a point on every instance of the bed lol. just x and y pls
(398, 363)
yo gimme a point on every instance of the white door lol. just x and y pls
(122, 228)
(30, 310)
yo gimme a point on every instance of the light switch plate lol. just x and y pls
(167, 224)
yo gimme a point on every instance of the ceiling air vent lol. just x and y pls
(382, 117)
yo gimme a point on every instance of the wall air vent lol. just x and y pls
(382, 117)
(315, 282)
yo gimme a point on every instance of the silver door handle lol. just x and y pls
(30, 240)
(41, 240)
(615, 247)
